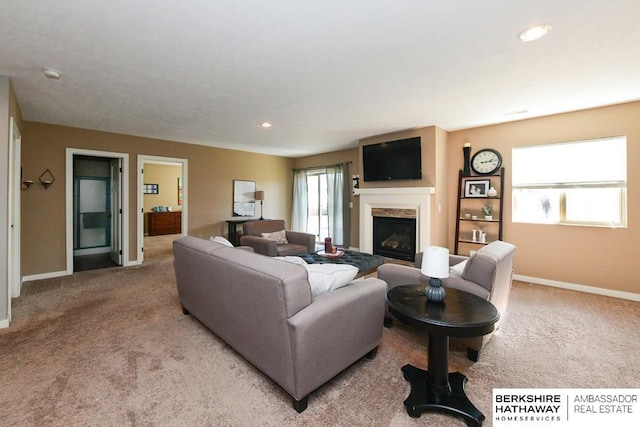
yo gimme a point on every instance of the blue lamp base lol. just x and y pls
(435, 292)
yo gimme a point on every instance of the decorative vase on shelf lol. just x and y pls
(492, 192)
(466, 152)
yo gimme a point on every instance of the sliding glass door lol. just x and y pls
(317, 217)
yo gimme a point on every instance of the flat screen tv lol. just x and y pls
(393, 160)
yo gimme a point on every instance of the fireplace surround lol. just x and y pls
(417, 199)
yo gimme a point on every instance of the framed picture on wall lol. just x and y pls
(244, 193)
(150, 189)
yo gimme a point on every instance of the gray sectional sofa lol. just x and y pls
(263, 308)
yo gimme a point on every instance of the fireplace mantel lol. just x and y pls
(418, 198)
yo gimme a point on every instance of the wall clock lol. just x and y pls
(486, 161)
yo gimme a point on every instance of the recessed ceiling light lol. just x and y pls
(534, 33)
(265, 124)
(51, 73)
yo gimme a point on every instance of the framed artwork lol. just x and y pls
(476, 188)
(150, 189)
(180, 199)
(244, 193)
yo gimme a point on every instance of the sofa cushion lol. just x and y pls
(280, 237)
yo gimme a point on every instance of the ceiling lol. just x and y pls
(325, 73)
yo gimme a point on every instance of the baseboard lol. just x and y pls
(41, 276)
(580, 288)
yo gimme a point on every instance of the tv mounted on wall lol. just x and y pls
(393, 160)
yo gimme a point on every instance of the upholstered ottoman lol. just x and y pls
(366, 263)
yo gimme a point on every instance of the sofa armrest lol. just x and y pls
(336, 330)
(260, 245)
(300, 238)
(396, 275)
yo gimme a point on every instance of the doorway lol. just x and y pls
(96, 195)
(96, 206)
(164, 195)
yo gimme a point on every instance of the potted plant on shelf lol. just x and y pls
(487, 212)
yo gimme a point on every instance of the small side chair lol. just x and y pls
(487, 274)
(269, 237)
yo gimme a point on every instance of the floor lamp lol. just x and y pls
(260, 196)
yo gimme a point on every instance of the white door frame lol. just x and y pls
(142, 159)
(124, 195)
(13, 210)
(115, 193)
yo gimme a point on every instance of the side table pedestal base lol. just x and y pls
(423, 398)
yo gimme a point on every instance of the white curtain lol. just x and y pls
(299, 212)
(338, 204)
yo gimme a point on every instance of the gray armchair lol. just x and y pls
(487, 274)
(297, 242)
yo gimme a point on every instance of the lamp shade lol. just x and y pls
(259, 195)
(435, 262)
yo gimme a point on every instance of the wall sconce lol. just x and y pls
(46, 179)
(356, 181)
(26, 184)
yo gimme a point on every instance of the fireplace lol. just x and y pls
(394, 237)
(406, 202)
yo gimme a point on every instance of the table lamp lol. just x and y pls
(435, 264)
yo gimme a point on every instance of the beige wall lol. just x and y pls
(211, 172)
(434, 174)
(589, 256)
(592, 256)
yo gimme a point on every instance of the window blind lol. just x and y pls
(596, 162)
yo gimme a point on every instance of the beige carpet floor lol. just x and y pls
(111, 347)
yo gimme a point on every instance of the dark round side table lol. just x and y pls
(460, 315)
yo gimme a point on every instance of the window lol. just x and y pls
(317, 213)
(580, 182)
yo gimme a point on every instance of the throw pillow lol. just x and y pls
(291, 259)
(280, 237)
(328, 277)
(457, 269)
(221, 240)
